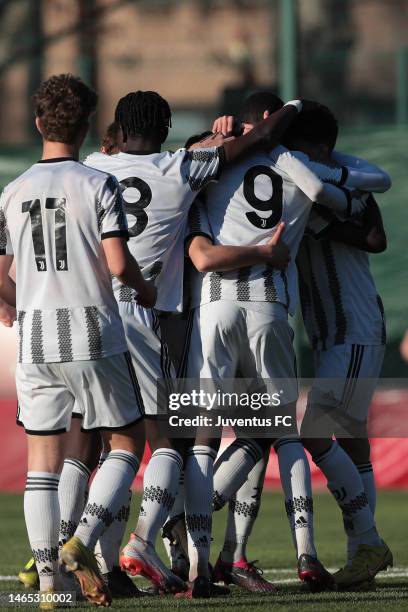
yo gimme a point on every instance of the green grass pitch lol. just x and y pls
(271, 544)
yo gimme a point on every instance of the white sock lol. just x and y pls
(107, 548)
(198, 482)
(242, 512)
(232, 468)
(347, 487)
(42, 517)
(160, 485)
(112, 481)
(367, 476)
(297, 487)
(72, 494)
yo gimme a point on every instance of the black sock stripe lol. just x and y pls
(161, 453)
(134, 466)
(253, 450)
(78, 464)
(282, 442)
(122, 457)
(40, 488)
(247, 443)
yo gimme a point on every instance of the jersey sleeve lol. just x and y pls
(5, 242)
(201, 166)
(322, 190)
(320, 218)
(198, 222)
(361, 174)
(110, 210)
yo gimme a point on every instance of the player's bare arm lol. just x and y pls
(208, 257)
(122, 265)
(370, 236)
(270, 130)
(7, 285)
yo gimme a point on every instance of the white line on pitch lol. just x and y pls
(396, 572)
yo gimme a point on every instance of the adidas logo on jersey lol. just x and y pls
(46, 571)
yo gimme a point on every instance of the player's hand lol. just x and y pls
(227, 125)
(8, 314)
(358, 202)
(276, 251)
(147, 295)
(215, 140)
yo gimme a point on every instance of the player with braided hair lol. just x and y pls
(159, 189)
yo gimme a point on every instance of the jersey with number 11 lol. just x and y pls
(52, 219)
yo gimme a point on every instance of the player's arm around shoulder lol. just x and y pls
(368, 236)
(362, 174)
(269, 131)
(208, 257)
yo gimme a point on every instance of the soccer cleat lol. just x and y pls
(174, 537)
(49, 605)
(140, 557)
(120, 585)
(29, 575)
(311, 571)
(368, 561)
(242, 574)
(77, 558)
(202, 587)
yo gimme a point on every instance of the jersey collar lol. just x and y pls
(54, 160)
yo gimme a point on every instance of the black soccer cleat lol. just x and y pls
(120, 585)
(312, 572)
(203, 588)
(243, 574)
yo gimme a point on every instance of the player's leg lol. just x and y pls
(110, 401)
(367, 553)
(108, 546)
(82, 454)
(45, 407)
(232, 565)
(209, 354)
(271, 348)
(162, 475)
(173, 328)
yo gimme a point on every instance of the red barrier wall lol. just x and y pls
(389, 455)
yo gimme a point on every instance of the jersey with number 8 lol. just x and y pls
(158, 190)
(243, 208)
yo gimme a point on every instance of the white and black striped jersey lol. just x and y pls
(159, 189)
(339, 300)
(244, 207)
(53, 218)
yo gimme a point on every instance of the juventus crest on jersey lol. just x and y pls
(52, 218)
(243, 208)
(158, 190)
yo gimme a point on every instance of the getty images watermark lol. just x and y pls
(206, 402)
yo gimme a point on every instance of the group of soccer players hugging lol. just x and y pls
(92, 258)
